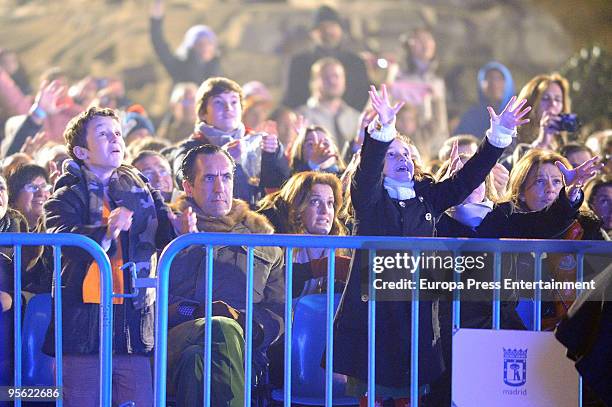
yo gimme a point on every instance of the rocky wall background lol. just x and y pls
(111, 37)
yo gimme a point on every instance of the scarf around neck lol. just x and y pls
(471, 214)
(125, 188)
(250, 157)
(219, 137)
(401, 190)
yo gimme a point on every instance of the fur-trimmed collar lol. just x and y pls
(239, 217)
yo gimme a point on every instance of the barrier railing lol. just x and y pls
(57, 241)
(414, 245)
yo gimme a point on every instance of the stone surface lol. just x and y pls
(257, 38)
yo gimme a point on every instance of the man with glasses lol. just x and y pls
(155, 167)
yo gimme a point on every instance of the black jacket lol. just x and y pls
(297, 91)
(67, 211)
(379, 215)
(586, 332)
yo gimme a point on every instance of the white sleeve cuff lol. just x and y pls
(500, 136)
(380, 132)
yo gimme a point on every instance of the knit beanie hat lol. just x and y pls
(135, 121)
(192, 35)
(326, 13)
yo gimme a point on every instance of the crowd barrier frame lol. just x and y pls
(161, 283)
(289, 242)
(57, 241)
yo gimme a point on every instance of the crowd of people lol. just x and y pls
(335, 157)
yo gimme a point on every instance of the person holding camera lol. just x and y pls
(549, 121)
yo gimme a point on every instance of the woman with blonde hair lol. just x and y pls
(480, 215)
(535, 183)
(549, 96)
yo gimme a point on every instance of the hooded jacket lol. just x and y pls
(476, 120)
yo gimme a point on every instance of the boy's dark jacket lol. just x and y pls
(67, 211)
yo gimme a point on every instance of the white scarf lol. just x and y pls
(470, 214)
(401, 190)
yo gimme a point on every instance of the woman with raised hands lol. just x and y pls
(392, 196)
(483, 215)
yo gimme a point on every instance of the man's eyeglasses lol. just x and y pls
(34, 188)
(161, 173)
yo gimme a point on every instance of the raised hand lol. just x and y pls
(32, 144)
(501, 176)
(54, 172)
(455, 163)
(575, 178)
(48, 95)
(234, 148)
(299, 125)
(366, 118)
(382, 105)
(185, 222)
(269, 140)
(548, 129)
(512, 115)
(119, 219)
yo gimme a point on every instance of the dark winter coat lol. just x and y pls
(586, 332)
(297, 91)
(67, 211)
(379, 215)
(506, 221)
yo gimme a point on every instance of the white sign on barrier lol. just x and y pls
(511, 369)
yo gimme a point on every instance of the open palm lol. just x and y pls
(579, 175)
(382, 105)
(511, 116)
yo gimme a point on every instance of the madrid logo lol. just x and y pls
(515, 367)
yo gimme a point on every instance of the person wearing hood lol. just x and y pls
(195, 59)
(495, 88)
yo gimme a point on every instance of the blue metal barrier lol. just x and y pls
(415, 245)
(57, 241)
